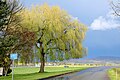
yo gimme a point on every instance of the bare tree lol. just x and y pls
(115, 5)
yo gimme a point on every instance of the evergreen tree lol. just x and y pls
(9, 31)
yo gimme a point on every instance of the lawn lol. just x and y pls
(32, 73)
(112, 74)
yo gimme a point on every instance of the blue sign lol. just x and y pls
(13, 56)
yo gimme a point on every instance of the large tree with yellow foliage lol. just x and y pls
(58, 34)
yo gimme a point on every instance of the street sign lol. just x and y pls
(13, 56)
(1, 71)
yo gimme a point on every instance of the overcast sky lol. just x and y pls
(103, 36)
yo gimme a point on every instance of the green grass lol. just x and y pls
(32, 73)
(112, 74)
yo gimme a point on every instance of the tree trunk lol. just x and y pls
(42, 57)
(5, 71)
(42, 60)
(6, 67)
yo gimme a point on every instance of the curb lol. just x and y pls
(59, 75)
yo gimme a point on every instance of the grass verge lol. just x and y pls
(32, 73)
(114, 74)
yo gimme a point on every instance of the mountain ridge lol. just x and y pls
(99, 59)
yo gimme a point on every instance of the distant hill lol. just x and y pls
(108, 59)
(100, 59)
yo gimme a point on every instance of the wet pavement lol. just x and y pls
(98, 73)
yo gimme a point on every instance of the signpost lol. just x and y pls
(116, 74)
(13, 57)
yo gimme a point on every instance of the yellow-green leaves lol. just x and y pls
(59, 34)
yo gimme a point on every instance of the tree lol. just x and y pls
(58, 34)
(9, 31)
(3, 13)
(25, 46)
(115, 7)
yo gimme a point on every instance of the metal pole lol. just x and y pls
(116, 73)
(13, 70)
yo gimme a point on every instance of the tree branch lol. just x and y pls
(115, 8)
(64, 32)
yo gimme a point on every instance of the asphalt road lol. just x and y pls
(99, 73)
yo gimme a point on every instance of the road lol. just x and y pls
(99, 73)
